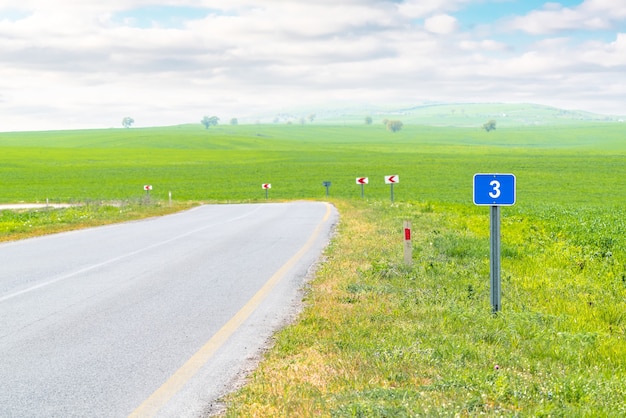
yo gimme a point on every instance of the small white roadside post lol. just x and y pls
(408, 244)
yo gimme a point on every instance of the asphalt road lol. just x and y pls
(150, 318)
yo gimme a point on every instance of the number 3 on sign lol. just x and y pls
(495, 193)
(494, 189)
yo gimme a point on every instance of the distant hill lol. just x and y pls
(455, 114)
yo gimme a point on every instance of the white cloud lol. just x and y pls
(590, 15)
(441, 24)
(611, 9)
(486, 45)
(612, 55)
(417, 9)
(72, 64)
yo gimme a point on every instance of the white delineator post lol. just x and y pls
(408, 245)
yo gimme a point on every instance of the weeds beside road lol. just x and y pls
(381, 339)
(20, 223)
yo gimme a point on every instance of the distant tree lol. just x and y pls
(127, 122)
(490, 126)
(302, 121)
(209, 121)
(368, 120)
(312, 117)
(234, 121)
(276, 119)
(394, 125)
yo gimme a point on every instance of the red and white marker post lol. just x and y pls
(408, 245)
(147, 188)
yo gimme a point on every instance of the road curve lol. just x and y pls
(150, 318)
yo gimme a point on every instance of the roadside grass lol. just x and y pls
(27, 223)
(379, 338)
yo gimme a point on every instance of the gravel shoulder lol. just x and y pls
(14, 206)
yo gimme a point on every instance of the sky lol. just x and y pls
(72, 64)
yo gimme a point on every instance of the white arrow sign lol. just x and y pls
(362, 180)
(266, 186)
(147, 187)
(392, 179)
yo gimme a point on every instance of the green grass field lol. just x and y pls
(379, 338)
(578, 164)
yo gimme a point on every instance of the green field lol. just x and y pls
(379, 338)
(575, 164)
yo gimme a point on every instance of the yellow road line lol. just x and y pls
(174, 384)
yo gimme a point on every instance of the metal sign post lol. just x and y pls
(392, 180)
(266, 187)
(494, 263)
(327, 184)
(494, 190)
(362, 181)
(147, 188)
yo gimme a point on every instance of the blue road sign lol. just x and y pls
(494, 189)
